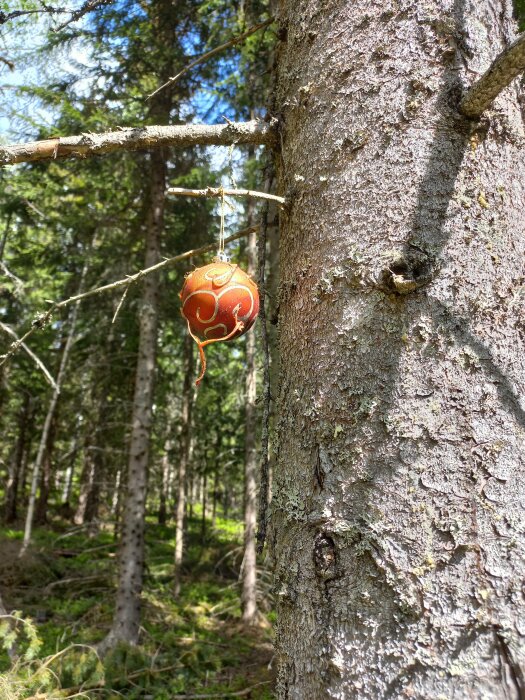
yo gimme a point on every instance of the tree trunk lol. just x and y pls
(47, 475)
(188, 395)
(88, 500)
(249, 568)
(15, 463)
(116, 501)
(67, 486)
(204, 503)
(165, 483)
(49, 420)
(131, 563)
(398, 525)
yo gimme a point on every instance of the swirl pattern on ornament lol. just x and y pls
(235, 303)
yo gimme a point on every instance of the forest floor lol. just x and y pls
(192, 646)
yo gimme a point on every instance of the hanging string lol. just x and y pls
(221, 253)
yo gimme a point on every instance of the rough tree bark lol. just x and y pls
(249, 568)
(398, 517)
(126, 621)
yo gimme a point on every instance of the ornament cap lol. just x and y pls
(221, 257)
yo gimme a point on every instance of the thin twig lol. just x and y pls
(20, 13)
(88, 6)
(209, 54)
(119, 306)
(42, 319)
(18, 282)
(38, 362)
(220, 191)
(507, 66)
(226, 694)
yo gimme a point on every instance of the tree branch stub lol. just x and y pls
(505, 67)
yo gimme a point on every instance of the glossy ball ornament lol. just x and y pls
(219, 302)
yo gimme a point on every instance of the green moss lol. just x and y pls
(198, 637)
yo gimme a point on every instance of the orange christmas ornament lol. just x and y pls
(219, 302)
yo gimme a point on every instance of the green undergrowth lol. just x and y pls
(62, 594)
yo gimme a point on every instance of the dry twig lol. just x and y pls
(38, 362)
(42, 319)
(209, 54)
(220, 191)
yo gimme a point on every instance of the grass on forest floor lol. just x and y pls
(64, 589)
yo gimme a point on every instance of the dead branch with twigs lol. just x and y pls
(42, 319)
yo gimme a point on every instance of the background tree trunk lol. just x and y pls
(131, 562)
(165, 481)
(15, 463)
(188, 394)
(398, 524)
(49, 419)
(249, 568)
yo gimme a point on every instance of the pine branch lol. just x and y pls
(42, 319)
(209, 54)
(507, 66)
(144, 137)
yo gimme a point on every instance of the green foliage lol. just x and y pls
(198, 638)
(56, 218)
(520, 13)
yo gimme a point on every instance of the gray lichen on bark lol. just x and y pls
(401, 429)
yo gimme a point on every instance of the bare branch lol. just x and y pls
(143, 137)
(220, 191)
(7, 62)
(209, 54)
(507, 66)
(20, 13)
(227, 694)
(88, 6)
(42, 319)
(38, 362)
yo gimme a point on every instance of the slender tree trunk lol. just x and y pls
(165, 483)
(15, 463)
(47, 473)
(204, 503)
(398, 520)
(88, 500)
(131, 562)
(249, 568)
(48, 422)
(215, 496)
(116, 500)
(69, 474)
(184, 456)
